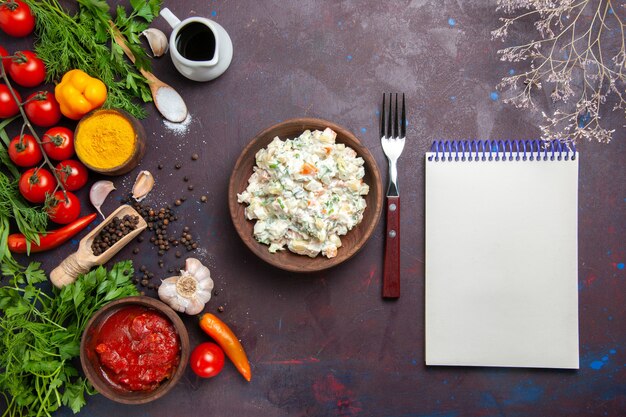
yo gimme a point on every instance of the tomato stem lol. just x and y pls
(21, 146)
(11, 5)
(56, 140)
(19, 58)
(28, 124)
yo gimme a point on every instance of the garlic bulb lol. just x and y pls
(190, 291)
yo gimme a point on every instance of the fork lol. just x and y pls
(392, 141)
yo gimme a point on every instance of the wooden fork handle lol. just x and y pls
(391, 272)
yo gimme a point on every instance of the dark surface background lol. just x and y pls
(326, 344)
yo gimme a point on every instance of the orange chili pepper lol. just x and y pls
(227, 340)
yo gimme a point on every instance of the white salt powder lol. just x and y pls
(179, 129)
(171, 104)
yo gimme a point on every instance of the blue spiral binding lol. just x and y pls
(501, 150)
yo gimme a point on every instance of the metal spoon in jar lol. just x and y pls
(167, 100)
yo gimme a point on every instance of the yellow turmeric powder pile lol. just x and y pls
(105, 140)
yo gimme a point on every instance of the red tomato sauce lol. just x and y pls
(138, 348)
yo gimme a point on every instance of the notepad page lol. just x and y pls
(501, 263)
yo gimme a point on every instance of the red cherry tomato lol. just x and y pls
(207, 360)
(42, 109)
(35, 183)
(27, 69)
(25, 152)
(16, 18)
(58, 143)
(62, 210)
(73, 174)
(8, 105)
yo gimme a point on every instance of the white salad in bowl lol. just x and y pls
(305, 193)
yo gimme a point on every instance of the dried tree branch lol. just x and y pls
(580, 56)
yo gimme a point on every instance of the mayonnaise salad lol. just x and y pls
(305, 193)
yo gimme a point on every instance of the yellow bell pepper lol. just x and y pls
(78, 94)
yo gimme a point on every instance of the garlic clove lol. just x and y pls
(185, 303)
(99, 192)
(204, 295)
(167, 288)
(195, 268)
(169, 295)
(195, 306)
(143, 185)
(157, 41)
(205, 285)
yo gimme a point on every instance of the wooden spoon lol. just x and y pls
(167, 100)
(83, 259)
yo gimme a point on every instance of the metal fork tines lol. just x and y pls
(392, 138)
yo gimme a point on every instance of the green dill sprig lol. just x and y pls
(84, 41)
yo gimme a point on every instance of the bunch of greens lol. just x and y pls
(31, 221)
(84, 41)
(40, 336)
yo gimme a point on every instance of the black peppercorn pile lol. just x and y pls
(115, 230)
(160, 222)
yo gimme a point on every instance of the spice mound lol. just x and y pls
(138, 348)
(113, 232)
(105, 139)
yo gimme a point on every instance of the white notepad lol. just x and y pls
(501, 254)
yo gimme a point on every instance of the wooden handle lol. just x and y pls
(391, 272)
(69, 270)
(121, 41)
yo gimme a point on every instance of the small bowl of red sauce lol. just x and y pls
(134, 350)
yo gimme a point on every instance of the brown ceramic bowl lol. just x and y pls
(132, 160)
(91, 363)
(352, 242)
